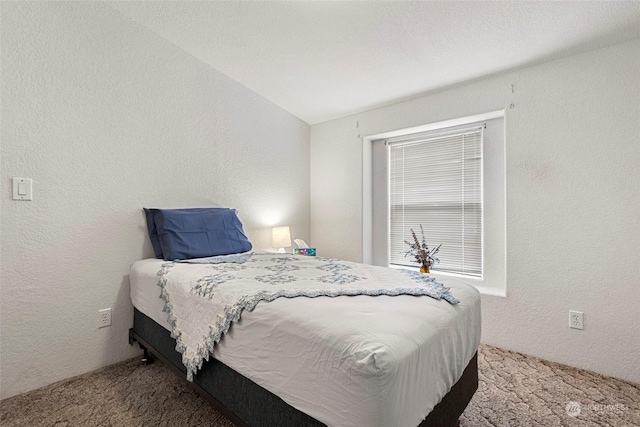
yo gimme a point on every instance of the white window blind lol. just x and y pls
(435, 180)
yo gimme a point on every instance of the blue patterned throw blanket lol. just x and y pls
(203, 300)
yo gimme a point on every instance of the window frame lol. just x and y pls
(493, 281)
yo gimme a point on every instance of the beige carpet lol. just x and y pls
(515, 390)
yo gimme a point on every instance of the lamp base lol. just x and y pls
(281, 251)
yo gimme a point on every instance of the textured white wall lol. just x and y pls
(107, 117)
(573, 210)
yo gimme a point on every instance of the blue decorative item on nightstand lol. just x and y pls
(305, 251)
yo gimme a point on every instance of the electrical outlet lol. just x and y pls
(576, 319)
(104, 318)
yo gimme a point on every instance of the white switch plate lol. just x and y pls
(22, 189)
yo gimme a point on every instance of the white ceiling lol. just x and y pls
(322, 60)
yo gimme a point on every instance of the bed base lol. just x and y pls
(246, 404)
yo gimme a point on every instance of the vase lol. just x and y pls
(425, 268)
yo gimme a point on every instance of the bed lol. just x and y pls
(319, 342)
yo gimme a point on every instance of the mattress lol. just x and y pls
(346, 361)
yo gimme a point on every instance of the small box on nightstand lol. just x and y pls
(304, 251)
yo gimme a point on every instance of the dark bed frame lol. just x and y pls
(247, 404)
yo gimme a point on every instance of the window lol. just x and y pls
(435, 181)
(461, 203)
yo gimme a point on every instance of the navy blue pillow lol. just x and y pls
(199, 232)
(153, 230)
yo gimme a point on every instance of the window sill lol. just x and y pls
(477, 283)
(494, 292)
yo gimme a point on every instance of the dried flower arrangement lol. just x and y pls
(421, 252)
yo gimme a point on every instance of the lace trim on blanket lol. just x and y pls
(430, 288)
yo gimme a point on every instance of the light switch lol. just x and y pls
(22, 189)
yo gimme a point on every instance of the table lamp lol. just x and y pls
(280, 238)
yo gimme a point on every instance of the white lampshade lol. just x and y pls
(280, 238)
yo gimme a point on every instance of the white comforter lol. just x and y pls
(347, 361)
